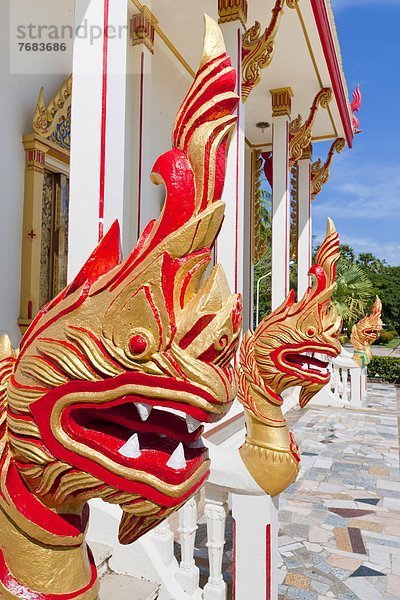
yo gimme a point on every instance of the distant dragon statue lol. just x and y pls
(86, 403)
(365, 333)
(288, 348)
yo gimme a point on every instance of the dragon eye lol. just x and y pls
(311, 331)
(138, 344)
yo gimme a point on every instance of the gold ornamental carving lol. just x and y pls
(259, 240)
(232, 10)
(53, 121)
(287, 349)
(258, 48)
(143, 28)
(301, 133)
(281, 99)
(320, 171)
(365, 333)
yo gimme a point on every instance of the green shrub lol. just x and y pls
(385, 368)
(386, 337)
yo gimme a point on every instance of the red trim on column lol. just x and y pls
(238, 75)
(287, 213)
(328, 45)
(234, 550)
(251, 272)
(103, 134)
(268, 579)
(140, 162)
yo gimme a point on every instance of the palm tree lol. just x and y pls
(353, 294)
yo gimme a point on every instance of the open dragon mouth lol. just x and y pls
(309, 363)
(371, 333)
(159, 440)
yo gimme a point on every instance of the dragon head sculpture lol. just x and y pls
(115, 376)
(288, 348)
(365, 333)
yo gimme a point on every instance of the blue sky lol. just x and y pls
(363, 193)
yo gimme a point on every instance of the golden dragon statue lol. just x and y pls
(112, 381)
(288, 348)
(365, 333)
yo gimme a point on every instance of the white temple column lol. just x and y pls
(97, 194)
(255, 541)
(281, 107)
(304, 237)
(229, 251)
(140, 89)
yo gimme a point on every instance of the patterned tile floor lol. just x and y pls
(340, 522)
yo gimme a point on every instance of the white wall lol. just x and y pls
(169, 86)
(18, 96)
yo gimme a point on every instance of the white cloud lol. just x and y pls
(360, 192)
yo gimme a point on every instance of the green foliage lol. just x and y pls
(264, 265)
(386, 337)
(353, 294)
(385, 368)
(386, 282)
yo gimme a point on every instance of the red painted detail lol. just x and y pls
(267, 167)
(17, 590)
(36, 512)
(43, 408)
(268, 563)
(105, 257)
(192, 334)
(103, 133)
(138, 344)
(239, 74)
(355, 107)
(30, 309)
(328, 44)
(140, 161)
(32, 235)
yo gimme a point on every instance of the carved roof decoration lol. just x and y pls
(320, 171)
(301, 133)
(258, 47)
(54, 120)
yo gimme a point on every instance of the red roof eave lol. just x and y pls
(325, 33)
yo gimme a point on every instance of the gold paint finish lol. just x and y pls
(258, 48)
(143, 28)
(25, 554)
(270, 452)
(365, 333)
(259, 245)
(320, 171)
(47, 118)
(281, 101)
(232, 10)
(301, 133)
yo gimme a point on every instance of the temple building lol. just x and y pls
(80, 136)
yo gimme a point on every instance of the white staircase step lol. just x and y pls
(125, 587)
(101, 555)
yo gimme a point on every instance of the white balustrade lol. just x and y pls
(188, 575)
(347, 386)
(216, 509)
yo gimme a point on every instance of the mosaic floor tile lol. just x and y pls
(364, 571)
(346, 502)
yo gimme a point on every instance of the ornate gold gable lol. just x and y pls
(54, 120)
